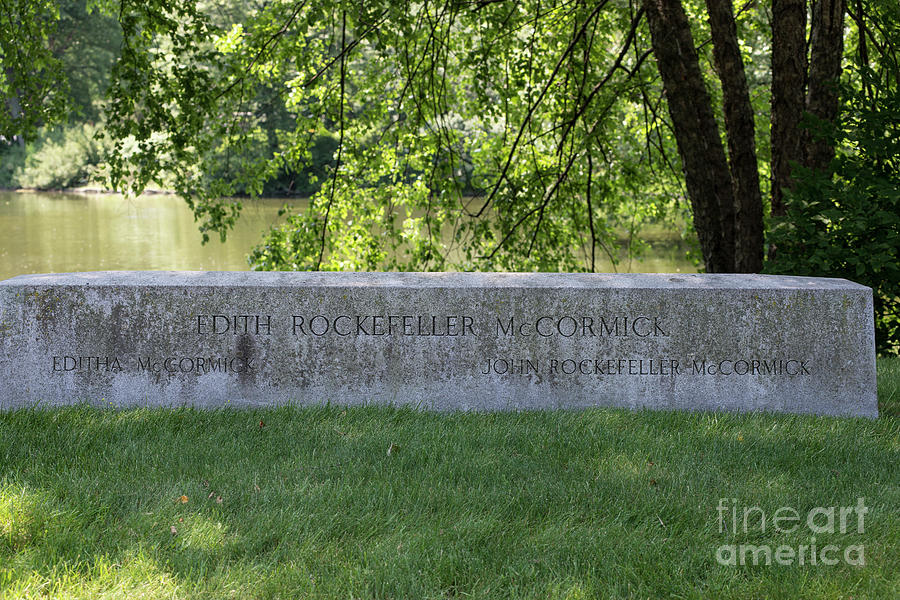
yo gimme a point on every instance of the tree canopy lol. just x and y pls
(32, 84)
(467, 136)
(478, 134)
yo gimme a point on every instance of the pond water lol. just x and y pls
(63, 232)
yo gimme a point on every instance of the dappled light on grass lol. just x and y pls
(97, 577)
(43, 552)
(25, 516)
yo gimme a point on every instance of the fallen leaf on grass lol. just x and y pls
(183, 500)
(172, 530)
(218, 499)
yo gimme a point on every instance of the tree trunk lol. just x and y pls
(706, 172)
(788, 85)
(822, 97)
(740, 131)
(15, 111)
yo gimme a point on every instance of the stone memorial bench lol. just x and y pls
(443, 341)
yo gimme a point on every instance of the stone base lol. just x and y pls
(442, 341)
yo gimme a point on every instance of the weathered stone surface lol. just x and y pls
(439, 341)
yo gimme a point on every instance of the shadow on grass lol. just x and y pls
(889, 386)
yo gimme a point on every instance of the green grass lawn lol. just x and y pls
(292, 503)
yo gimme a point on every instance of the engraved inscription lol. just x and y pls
(234, 324)
(447, 326)
(666, 367)
(390, 325)
(750, 367)
(436, 325)
(581, 326)
(86, 363)
(198, 365)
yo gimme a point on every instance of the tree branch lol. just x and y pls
(346, 49)
(262, 49)
(534, 106)
(340, 150)
(629, 38)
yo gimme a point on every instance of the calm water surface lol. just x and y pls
(59, 232)
(63, 232)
